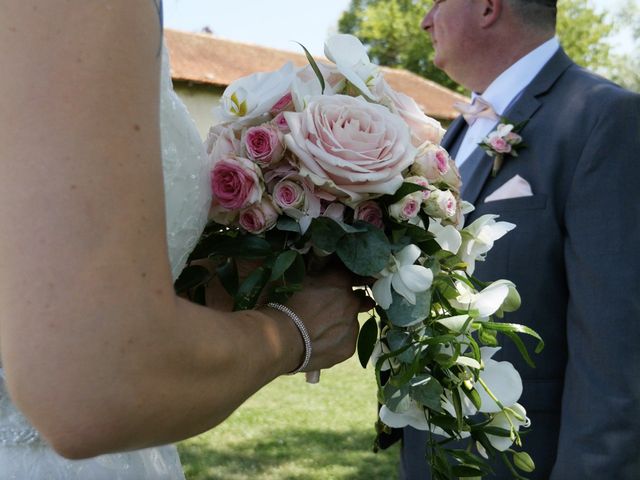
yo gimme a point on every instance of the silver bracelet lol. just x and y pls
(303, 332)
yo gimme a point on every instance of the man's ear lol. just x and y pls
(490, 11)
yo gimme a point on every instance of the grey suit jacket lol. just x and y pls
(575, 258)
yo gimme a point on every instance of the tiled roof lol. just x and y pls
(206, 59)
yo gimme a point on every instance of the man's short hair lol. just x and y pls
(537, 13)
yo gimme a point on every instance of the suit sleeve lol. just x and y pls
(600, 430)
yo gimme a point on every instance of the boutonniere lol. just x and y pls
(504, 140)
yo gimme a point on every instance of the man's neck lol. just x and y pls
(499, 59)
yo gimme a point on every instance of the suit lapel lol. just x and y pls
(453, 132)
(478, 170)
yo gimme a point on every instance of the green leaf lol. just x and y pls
(497, 431)
(228, 275)
(516, 328)
(191, 277)
(400, 340)
(288, 224)
(521, 348)
(365, 253)
(326, 233)
(396, 399)
(474, 396)
(403, 314)
(249, 290)
(314, 66)
(245, 246)
(367, 340)
(487, 337)
(282, 264)
(463, 471)
(405, 189)
(426, 390)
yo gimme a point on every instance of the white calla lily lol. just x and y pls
(479, 237)
(505, 420)
(448, 237)
(249, 99)
(352, 61)
(406, 278)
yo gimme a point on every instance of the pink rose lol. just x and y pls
(334, 211)
(434, 163)
(423, 128)
(281, 123)
(513, 138)
(370, 212)
(285, 103)
(500, 145)
(350, 147)
(423, 182)
(406, 208)
(441, 204)
(235, 183)
(263, 145)
(259, 217)
(288, 194)
(222, 142)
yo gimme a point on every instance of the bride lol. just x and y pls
(98, 355)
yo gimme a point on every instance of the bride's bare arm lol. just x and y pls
(98, 351)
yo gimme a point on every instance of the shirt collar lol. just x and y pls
(508, 85)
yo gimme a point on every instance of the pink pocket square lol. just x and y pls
(516, 187)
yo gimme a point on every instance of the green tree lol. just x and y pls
(391, 31)
(626, 67)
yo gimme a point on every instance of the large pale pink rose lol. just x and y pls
(259, 217)
(349, 147)
(236, 183)
(264, 145)
(423, 128)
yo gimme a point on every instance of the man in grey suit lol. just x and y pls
(573, 191)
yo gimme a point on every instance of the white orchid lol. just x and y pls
(306, 85)
(499, 378)
(478, 239)
(448, 237)
(516, 417)
(249, 99)
(406, 278)
(480, 305)
(351, 59)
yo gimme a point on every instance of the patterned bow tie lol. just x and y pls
(479, 108)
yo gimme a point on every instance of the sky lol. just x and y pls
(279, 23)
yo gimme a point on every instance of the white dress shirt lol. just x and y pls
(506, 88)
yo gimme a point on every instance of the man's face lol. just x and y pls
(449, 22)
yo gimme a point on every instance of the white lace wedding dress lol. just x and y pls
(23, 454)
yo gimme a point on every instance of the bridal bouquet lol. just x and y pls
(329, 160)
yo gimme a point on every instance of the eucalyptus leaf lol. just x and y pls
(365, 253)
(288, 224)
(396, 399)
(244, 246)
(427, 391)
(282, 264)
(249, 290)
(228, 276)
(401, 313)
(367, 340)
(400, 340)
(326, 233)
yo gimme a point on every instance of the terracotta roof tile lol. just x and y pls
(206, 59)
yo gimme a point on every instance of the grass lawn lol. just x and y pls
(292, 430)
